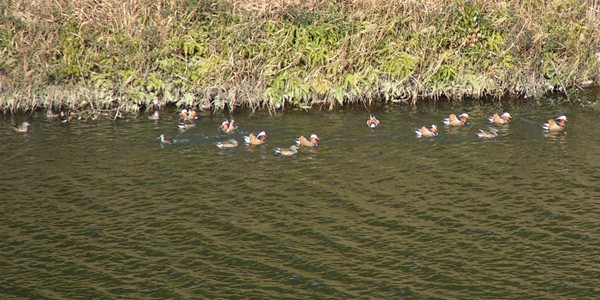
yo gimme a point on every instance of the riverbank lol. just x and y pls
(143, 55)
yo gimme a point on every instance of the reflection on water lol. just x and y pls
(101, 210)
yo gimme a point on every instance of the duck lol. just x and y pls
(165, 139)
(186, 119)
(425, 132)
(224, 126)
(492, 133)
(231, 143)
(154, 116)
(312, 142)
(372, 122)
(453, 121)
(293, 149)
(555, 125)
(259, 139)
(24, 127)
(50, 114)
(186, 124)
(183, 115)
(192, 115)
(500, 119)
(66, 117)
(228, 126)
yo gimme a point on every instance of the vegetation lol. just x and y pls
(223, 54)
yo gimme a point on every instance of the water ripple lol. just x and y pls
(103, 211)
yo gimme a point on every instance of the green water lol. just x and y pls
(103, 211)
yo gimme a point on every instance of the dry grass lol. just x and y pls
(269, 54)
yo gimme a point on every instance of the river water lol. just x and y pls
(102, 210)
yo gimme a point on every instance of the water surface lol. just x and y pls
(102, 210)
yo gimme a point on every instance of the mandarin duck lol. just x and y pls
(259, 139)
(500, 119)
(312, 142)
(183, 115)
(192, 115)
(372, 122)
(555, 125)
(66, 117)
(186, 124)
(228, 126)
(426, 132)
(453, 121)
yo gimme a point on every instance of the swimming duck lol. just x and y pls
(186, 124)
(154, 116)
(372, 122)
(502, 119)
(224, 126)
(492, 133)
(555, 125)
(66, 117)
(192, 115)
(186, 119)
(183, 115)
(251, 139)
(228, 126)
(452, 120)
(165, 139)
(424, 132)
(293, 149)
(313, 142)
(24, 127)
(50, 114)
(231, 143)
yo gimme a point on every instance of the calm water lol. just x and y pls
(101, 210)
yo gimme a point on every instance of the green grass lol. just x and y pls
(141, 54)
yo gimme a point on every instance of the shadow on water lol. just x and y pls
(101, 210)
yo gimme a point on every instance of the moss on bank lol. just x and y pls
(217, 54)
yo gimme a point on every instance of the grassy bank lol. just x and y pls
(138, 54)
